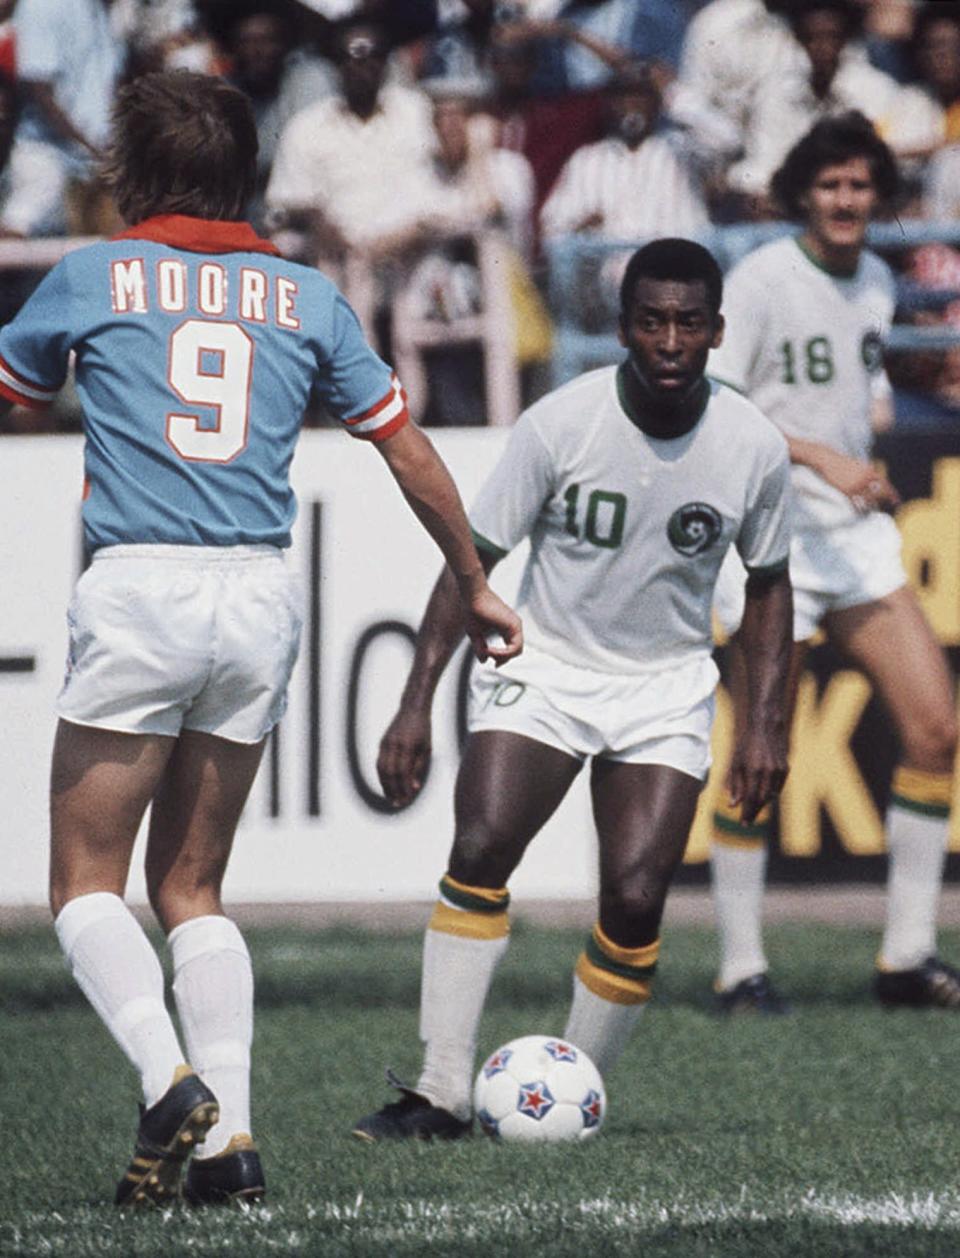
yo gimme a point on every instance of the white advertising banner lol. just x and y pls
(314, 828)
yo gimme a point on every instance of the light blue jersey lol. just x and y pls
(197, 348)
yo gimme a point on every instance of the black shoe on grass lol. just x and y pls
(235, 1175)
(932, 985)
(413, 1117)
(755, 994)
(166, 1137)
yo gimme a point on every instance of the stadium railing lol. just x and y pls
(582, 288)
(582, 298)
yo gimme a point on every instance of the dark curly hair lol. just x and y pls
(831, 142)
(182, 143)
(672, 258)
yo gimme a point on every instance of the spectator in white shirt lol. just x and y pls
(831, 76)
(730, 48)
(352, 166)
(649, 176)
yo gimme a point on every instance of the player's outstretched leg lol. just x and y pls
(213, 988)
(891, 640)
(119, 972)
(463, 945)
(738, 865)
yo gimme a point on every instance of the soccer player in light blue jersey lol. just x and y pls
(196, 348)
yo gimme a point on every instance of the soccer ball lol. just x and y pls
(539, 1088)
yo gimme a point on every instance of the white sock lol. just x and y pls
(456, 977)
(917, 848)
(213, 987)
(120, 974)
(738, 876)
(600, 1027)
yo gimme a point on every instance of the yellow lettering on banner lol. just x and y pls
(701, 832)
(824, 772)
(930, 529)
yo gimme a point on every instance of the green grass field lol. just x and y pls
(833, 1131)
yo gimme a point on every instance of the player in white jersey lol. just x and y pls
(806, 318)
(631, 482)
(195, 352)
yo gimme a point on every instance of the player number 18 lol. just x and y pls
(816, 360)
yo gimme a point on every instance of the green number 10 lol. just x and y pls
(605, 516)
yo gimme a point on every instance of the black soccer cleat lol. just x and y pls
(166, 1137)
(755, 994)
(413, 1117)
(233, 1176)
(931, 985)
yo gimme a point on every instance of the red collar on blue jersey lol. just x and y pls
(198, 235)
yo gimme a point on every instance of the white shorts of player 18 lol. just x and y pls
(830, 570)
(661, 717)
(165, 638)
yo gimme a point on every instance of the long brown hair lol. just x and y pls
(182, 143)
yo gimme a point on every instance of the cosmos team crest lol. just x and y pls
(871, 351)
(694, 528)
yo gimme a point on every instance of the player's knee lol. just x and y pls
(481, 855)
(632, 908)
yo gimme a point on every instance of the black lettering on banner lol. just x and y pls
(273, 763)
(380, 629)
(17, 663)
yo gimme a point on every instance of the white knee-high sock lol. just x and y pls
(738, 877)
(600, 1027)
(120, 974)
(463, 945)
(456, 977)
(917, 847)
(213, 987)
(611, 986)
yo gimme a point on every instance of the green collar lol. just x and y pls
(822, 266)
(647, 421)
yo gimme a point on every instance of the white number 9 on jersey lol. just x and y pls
(210, 365)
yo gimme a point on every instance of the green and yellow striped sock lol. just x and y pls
(464, 943)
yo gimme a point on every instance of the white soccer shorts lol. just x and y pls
(830, 570)
(662, 717)
(165, 638)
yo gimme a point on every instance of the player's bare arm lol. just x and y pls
(429, 489)
(863, 482)
(759, 765)
(405, 748)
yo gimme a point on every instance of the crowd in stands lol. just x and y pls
(392, 133)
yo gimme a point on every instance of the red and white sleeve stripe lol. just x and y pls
(24, 392)
(384, 418)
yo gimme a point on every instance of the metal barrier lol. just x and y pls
(583, 297)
